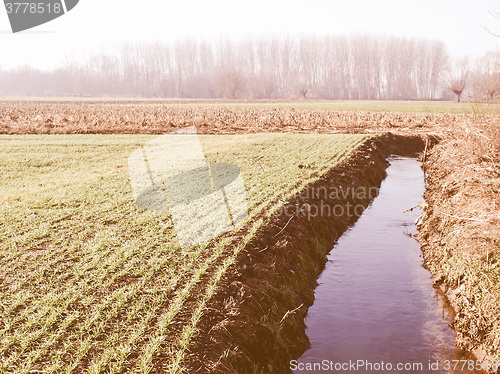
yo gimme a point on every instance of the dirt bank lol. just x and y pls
(460, 232)
(255, 324)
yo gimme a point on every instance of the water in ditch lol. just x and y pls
(375, 308)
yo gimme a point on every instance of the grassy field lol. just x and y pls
(91, 283)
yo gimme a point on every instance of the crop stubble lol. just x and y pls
(25, 117)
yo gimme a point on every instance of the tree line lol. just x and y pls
(335, 67)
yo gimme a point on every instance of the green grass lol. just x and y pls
(91, 283)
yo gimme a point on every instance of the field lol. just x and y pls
(365, 106)
(149, 117)
(400, 106)
(91, 283)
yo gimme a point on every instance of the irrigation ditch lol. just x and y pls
(256, 321)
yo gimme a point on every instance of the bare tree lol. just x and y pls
(496, 15)
(456, 77)
(335, 67)
(487, 75)
(302, 84)
(491, 85)
(231, 82)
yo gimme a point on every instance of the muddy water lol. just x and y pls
(375, 308)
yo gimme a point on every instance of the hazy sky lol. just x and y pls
(95, 25)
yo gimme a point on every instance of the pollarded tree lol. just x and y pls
(230, 82)
(488, 75)
(456, 77)
(491, 84)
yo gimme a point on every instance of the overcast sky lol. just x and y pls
(94, 25)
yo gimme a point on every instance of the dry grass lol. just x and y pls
(25, 117)
(461, 230)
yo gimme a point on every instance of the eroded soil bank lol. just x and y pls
(255, 323)
(460, 233)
